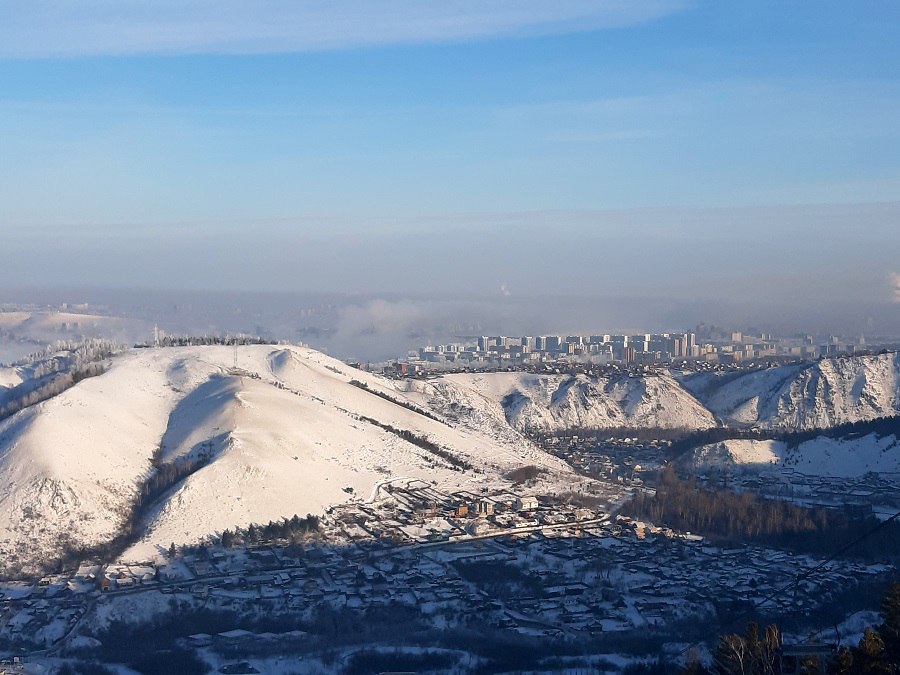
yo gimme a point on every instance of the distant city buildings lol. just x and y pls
(705, 345)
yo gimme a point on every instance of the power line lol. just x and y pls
(746, 614)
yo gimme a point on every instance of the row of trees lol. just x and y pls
(53, 370)
(30, 393)
(745, 517)
(295, 529)
(167, 475)
(65, 353)
(205, 340)
(612, 434)
(423, 442)
(163, 477)
(396, 401)
(684, 440)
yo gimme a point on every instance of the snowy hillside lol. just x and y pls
(845, 457)
(821, 456)
(807, 396)
(735, 453)
(557, 402)
(286, 432)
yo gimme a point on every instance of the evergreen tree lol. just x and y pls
(889, 631)
(870, 657)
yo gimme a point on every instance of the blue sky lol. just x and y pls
(157, 133)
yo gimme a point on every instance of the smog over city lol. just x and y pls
(496, 336)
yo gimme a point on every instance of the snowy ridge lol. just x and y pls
(557, 402)
(807, 396)
(796, 397)
(72, 464)
(285, 432)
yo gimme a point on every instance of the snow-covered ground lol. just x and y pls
(737, 453)
(820, 456)
(845, 457)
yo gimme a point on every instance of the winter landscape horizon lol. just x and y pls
(468, 337)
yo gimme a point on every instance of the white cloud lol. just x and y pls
(36, 28)
(895, 287)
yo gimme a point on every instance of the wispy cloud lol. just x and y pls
(38, 28)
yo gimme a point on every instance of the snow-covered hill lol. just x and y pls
(821, 456)
(811, 395)
(814, 395)
(287, 431)
(735, 454)
(558, 402)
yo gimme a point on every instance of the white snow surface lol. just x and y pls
(739, 452)
(821, 456)
(9, 377)
(288, 441)
(845, 457)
